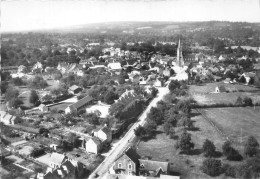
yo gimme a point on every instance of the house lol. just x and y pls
(104, 134)
(43, 108)
(37, 65)
(119, 176)
(116, 66)
(220, 89)
(90, 61)
(74, 89)
(56, 160)
(227, 80)
(63, 168)
(81, 104)
(127, 163)
(217, 78)
(157, 83)
(153, 168)
(7, 118)
(248, 76)
(91, 144)
(21, 69)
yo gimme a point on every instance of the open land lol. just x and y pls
(236, 122)
(205, 94)
(161, 147)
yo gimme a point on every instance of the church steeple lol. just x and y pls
(179, 60)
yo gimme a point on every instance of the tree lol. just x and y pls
(209, 148)
(242, 79)
(15, 102)
(47, 98)
(184, 143)
(4, 86)
(250, 168)
(110, 97)
(251, 81)
(185, 121)
(11, 94)
(212, 167)
(174, 84)
(239, 101)
(155, 115)
(17, 81)
(34, 98)
(226, 147)
(248, 101)
(37, 152)
(251, 146)
(140, 131)
(154, 91)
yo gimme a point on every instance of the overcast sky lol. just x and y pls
(19, 15)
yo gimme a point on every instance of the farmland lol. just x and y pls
(229, 120)
(205, 94)
(236, 122)
(161, 148)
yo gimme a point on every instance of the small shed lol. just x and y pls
(43, 108)
(220, 89)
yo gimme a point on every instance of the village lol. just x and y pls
(98, 116)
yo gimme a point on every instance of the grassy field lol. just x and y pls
(231, 120)
(236, 122)
(205, 94)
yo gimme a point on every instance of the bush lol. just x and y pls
(212, 167)
(209, 148)
(229, 170)
(251, 146)
(248, 101)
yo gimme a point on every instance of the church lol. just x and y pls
(178, 66)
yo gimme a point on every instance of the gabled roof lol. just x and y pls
(106, 130)
(57, 158)
(49, 175)
(81, 102)
(221, 88)
(69, 166)
(154, 165)
(96, 140)
(132, 155)
(41, 105)
(73, 87)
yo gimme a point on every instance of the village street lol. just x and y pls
(102, 170)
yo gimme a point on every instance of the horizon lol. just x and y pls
(49, 15)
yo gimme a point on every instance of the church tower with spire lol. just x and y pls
(179, 61)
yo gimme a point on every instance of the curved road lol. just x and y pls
(102, 169)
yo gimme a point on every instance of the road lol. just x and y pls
(102, 169)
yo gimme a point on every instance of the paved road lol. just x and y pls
(102, 169)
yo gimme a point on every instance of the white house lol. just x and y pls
(114, 66)
(43, 108)
(56, 160)
(220, 89)
(7, 118)
(104, 134)
(92, 145)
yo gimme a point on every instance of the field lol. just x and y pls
(229, 120)
(205, 94)
(236, 122)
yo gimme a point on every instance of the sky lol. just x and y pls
(22, 15)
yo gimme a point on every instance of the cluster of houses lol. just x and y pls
(130, 164)
(61, 167)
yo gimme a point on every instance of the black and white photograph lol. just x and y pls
(130, 89)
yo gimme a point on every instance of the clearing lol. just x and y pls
(205, 94)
